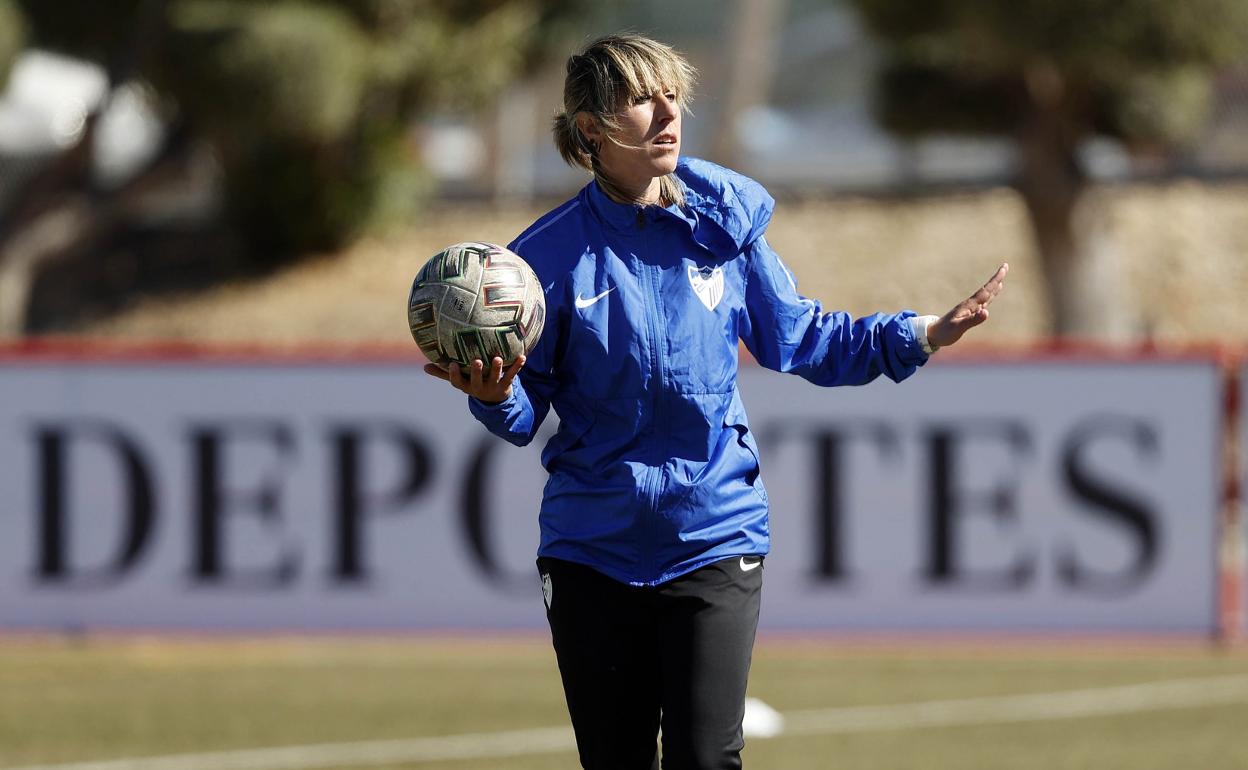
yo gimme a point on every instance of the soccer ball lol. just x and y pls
(476, 300)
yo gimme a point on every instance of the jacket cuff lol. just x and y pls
(477, 406)
(919, 324)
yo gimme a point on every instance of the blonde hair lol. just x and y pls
(605, 77)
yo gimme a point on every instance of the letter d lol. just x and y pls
(53, 441)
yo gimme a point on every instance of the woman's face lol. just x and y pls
(646, 146)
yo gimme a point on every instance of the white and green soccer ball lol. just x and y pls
(476, 301)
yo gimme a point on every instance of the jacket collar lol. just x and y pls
(621, 216)
(714, 212)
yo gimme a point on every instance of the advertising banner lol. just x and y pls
(1042, 495)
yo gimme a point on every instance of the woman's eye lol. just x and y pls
(642, 99)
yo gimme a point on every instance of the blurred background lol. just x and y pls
(220, 169)
(211, 212)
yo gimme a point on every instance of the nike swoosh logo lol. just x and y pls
(582, 303)
(746, 566)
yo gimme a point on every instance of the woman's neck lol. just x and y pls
(642, 193)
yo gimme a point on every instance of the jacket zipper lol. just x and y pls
(654, 277)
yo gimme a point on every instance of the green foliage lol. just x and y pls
(307, 102)
(296, 195)
(440, 59)
(1004, 33)
(285, 71)
(12, 35)
(1136, 63)
(1165, 106)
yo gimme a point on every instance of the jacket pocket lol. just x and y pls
(734, 419)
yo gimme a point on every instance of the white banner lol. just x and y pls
(1033, 496)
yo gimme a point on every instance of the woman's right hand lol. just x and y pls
(490, 387)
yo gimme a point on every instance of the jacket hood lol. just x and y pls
(733, 210)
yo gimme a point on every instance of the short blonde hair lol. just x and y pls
(608, 75)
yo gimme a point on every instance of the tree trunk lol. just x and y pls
(1085, 282)
(754, 29)
(50, 215)
(62, 215)
(51, 234)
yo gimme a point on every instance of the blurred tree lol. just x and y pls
(754, 38)
(12, 34)
(1051, 74)
(306, 105)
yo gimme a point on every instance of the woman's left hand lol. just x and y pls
(968, 314)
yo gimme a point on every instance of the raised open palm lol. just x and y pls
(968, 313)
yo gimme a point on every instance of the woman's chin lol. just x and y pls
(666, 163)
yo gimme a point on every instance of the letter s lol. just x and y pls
(1112, 503)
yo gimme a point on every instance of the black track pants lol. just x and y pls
(676, 654)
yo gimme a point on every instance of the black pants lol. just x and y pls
(676, 654)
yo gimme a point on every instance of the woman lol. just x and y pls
(654, 518)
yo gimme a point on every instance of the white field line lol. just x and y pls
(1068, 704)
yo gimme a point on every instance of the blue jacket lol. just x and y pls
(653, 470)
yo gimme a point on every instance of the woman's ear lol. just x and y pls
(590, 129)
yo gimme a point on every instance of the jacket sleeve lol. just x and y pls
(790, 333)
(518, 418)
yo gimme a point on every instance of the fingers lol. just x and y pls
(483, 384)
(512, 371)
(997, 282)
(989, 291)
(457, 377)
(476, 380)
(437, 371)
(476, 377)
(463, 378)
(969, 313)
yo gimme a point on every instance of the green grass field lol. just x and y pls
(74, 701)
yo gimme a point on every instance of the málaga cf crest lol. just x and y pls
(708, 284)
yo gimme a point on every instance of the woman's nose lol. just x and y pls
(666, 108)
